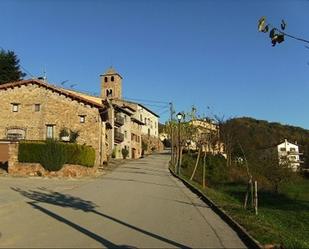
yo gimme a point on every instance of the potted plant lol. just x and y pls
(64, 135)
(125, 153)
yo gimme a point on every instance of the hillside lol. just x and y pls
(256, 135)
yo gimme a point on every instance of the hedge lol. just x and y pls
(53, 154)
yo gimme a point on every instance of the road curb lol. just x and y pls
(248, 240)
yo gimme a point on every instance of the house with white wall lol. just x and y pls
(289, 153)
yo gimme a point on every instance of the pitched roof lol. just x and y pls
(98, 100)
(90, 100)
(135, 103)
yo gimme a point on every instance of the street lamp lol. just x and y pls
(179, 118)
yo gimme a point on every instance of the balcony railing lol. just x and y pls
(118, 136)
(119, 121)
(294, 153)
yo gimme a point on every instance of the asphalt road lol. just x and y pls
(137, 205)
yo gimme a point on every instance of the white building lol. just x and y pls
(150, 119)
(289, 152)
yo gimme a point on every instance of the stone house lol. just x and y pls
(35, 110)
(211, 130)
(139, 122)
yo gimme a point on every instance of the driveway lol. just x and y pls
(137, 205)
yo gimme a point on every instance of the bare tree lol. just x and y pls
(205, 140)
(227, 137)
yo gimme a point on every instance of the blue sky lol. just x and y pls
(202, 53)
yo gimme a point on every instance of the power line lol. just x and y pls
(164, 112)
(27, 71)
(153, 105)
(147, 100)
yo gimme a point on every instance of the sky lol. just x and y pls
(203, 53)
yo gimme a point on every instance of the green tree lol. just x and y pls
(275, 172)
(9, 67)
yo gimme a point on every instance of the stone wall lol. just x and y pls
(36, 169)
(56, 109)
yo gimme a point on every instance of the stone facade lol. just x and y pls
(208, 127)
(35, 169)
(111, 85)
(35, 110)
(43, 110)
(136, 139)
(138, 128)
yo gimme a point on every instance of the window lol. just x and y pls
(125, 134)
(112, 78)
(125, 118)
(49, 131)
(282, 149)
(292, 149)
(109, 92)
(141, 118)
(37, 107)
(105, 79)
(15, 107)
(16, 134)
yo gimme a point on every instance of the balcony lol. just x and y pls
(118, 137)
(294, 153)
(119, 121)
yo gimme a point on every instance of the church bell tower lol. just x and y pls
(111, 84)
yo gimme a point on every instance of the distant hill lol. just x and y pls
(255, 134)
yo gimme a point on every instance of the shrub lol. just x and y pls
(216, 171)
(167, 143)
(114, 153)
(144, 145)
(29, 152)
(80, 154)
(53, 154)
(125, 153)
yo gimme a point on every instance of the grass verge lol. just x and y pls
(283, 219)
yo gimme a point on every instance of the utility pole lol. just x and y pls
(172, 132)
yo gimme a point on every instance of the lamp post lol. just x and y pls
(179, 117)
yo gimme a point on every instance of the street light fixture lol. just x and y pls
(179, 117)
